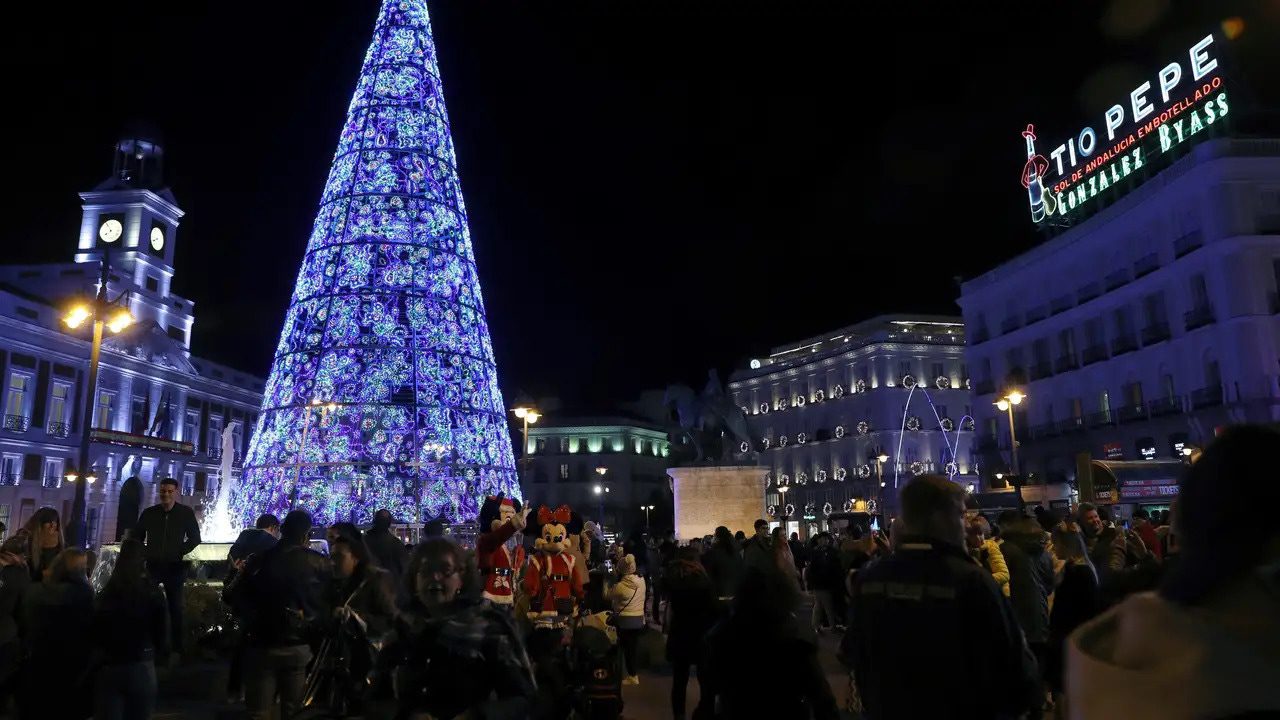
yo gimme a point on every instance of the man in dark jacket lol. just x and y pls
(930, 594)
(283, 598)
(1031, 581)
(758, 551)
(388, 552)
(257, 539)
(170, 531)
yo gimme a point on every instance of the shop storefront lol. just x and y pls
(1129, 485)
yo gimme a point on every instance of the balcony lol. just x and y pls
(10, 479)
(1037, 313)
(1123, 344)
(1206, 397)
(1065, 363)
(1041, 370)
(1009, 325)
(1061, 304)
(1100, 419)
(1116, 279)
(51, 482)
(1198, 317)
(1087, 293)
(17, 423)
(59, 429)
(1187, 243)
(213, 453)
(1132, 413)
(1146, 265)
(1165, 406)
(1094, 353)
(1071, 425)
(984, 387)
(1047, 430)
(1154, 333)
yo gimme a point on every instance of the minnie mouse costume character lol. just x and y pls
(554, 579)
(499, 554)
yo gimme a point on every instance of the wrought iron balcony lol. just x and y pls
(214, 453)
(1071, 425)
(17, 423)
(1198, 317)
(1041, 370)
(1065, 363)
(1165, 406)
(1206, 397)
(1132, 413)
(59, 429)
(1154, 333)
(1101, 419)
(1123, 344)
(52, 481)
(10, 478)
(1094, 353)
(1187, 243)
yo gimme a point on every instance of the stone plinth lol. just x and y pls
(707, 497)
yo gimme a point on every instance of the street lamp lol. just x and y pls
(881, 459)
(782, 490)
(646, 509)
(601, 490)
(528, 414)
(102, 312)
(1005, 404)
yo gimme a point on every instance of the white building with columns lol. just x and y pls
(158, 411)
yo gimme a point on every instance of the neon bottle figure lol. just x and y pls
(1031, 174)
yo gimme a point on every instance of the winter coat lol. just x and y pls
(388, 552)
(694, 608)
(823, 571)
(169, 536)
(251, 541)
(995, 563)
(130, 629)
(757, 552)
(1076, 601)
(724, 567)
(1149, 657)
(56, 624)
(283, 595)
(1030, 582)
(627, 596)
(370, 594)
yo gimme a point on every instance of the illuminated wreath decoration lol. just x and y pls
(864, 427)
(802, 478)
(850, 504)
(837, 391)
(839, 431)
(942, 382)
(827, 509)
(783, 404)
(746, 410)
(764, 408)
(952, 468)
(799, 401)
(782, 441)
(917, 468)
(873, 506)
(947, 425)
(802, 438)
(967, 384)
(745, 446)
(860, 386)
(819, 396)
(771, 511)
(864, 470)
(789, 510)
(768, 479)
(841, 474)
(810, 509)
(908, 381)
(784, 480)
(913, 423)
(820, 476)
(766, 442)
(967, 424)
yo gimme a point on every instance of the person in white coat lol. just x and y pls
(627, 597)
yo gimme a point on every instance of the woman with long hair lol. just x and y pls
(723, 562)
(783, 557)
(45, 529)
(130, 631)
(1076, 600)
(451, 651)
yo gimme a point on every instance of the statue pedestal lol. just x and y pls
(709, 496)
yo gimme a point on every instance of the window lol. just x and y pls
(1153, 309)
(153, 284)
(138, 415)
(564, 445)
(1123, 324)
(1013, 357)
(12, 469)
(102, 410)
(1104, 405)
(1133, 394)
(1167, 383)
(1067, 343)
(188, 483)
(190, 427)
(236, 437)
(1040, 351)
(177, 333)
(58, 402)
(938, 371)
(904, 368)
(1212, 375)
(1077, 408)
(214, 440)
(52, 472)
(1094, 333)
(540, 445)
(564, 470)
(1199, 291)
(19, 386)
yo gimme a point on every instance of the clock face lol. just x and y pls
(157, 239)
(110, 231)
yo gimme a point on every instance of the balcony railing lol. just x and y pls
(1047, 430)
(1198, 317)
(1116, 279)
(1145, 265)
(1123, 344)
(59, 429)
(1094, 353)
(1065, 363)
(214, 453)
(1037, 313)
(1009, 325)
(1061, 304)
(1165, 406)
(1071, 425)
(1041, 370)
(17, 423)
(1131, 413)
(1101, 419)
(1087, 293)
(1154, 333)
(1206, 397)
(51, 481)
(1187, 243)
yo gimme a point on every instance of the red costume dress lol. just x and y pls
(553, 580)
(500, 566)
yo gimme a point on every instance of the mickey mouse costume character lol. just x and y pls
(554, 578)
(499, 552)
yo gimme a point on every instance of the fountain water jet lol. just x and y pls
(216, 526)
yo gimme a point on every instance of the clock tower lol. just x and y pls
(132, 217)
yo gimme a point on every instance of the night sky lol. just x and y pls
(653, 190)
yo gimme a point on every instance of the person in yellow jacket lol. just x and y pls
(986, 551)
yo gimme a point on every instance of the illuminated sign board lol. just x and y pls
(1186, 101)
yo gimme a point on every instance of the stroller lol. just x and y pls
(597, 670)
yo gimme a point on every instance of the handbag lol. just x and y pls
(612, 619)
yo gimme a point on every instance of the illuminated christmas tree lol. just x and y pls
(384, 392)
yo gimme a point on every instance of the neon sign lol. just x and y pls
(1192, 100)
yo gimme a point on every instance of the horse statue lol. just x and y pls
(714, 425)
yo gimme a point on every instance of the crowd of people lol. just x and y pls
(948, 614)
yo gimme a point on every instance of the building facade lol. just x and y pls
(1143, 329)
(158, 411)
(563, 457)
(823, 410)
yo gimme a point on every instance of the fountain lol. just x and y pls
(217, 526)
(953, 467)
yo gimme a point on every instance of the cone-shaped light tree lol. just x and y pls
(384, 392)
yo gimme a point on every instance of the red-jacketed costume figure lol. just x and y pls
(499, 554)
(553, 579)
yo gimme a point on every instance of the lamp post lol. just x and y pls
(1005, 404)
(102, 312)
(646, 509)
(881, 459)
(782, 490)
(325, 409)
(528, 414)
(601, 489)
